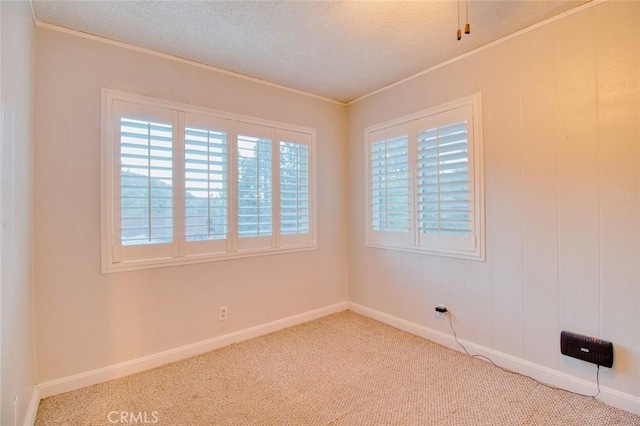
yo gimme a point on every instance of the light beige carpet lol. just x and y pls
(344, 369)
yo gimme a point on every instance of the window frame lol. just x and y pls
(411, 241)
(181, 252)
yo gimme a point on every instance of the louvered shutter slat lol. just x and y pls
(254, 186)
(146, 197)
(443, 180)
(205, 169)
(390, 185)
(294, 186)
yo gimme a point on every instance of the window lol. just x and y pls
(184, 184)
(425, 183)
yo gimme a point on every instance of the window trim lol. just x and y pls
(476, 144)
(108, 177)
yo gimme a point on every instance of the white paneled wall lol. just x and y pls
(618, 135)
(540, 203)
(562, 172)
(575, 133)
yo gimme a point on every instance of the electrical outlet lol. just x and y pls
(441, 310)
(222, 313)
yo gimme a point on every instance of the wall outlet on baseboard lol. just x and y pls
(222, 313)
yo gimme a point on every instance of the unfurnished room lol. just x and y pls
(320, 212)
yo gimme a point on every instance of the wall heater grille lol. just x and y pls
(590, 349)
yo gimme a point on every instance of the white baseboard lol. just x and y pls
(89, 378)
(546, 375)
(30, 419)
(543, 374)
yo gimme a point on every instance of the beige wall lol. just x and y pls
(562, 171)
(87, 320)
(18, 368)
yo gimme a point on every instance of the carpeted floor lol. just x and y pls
(344, 369)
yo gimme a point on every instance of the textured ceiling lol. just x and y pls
(335, 49)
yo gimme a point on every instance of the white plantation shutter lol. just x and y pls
(255, 177)
(390, 188)
(145, 182)
(146, 193)
(445, 182)
(425, 182)
(183, 184)
(444, 201)
(206, 184)
(295, 190)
